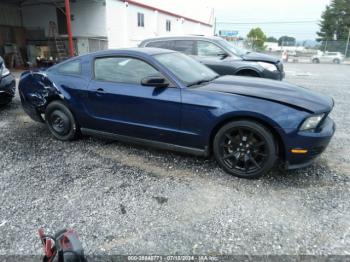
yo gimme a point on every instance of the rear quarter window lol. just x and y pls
(184, 46)
(70, 68)
(159, 44)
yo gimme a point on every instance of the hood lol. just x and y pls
(260, 57)
(276, 91)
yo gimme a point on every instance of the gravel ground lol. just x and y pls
(125, 199)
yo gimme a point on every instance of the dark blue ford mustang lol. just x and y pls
(166, 99)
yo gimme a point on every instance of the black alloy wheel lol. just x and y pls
(245, 149)
(60, 121)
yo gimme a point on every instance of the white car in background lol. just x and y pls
(328, 57)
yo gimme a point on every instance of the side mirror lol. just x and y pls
(155, 81)
(222, 55)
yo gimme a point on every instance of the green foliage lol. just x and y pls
(271, 39)
(286, 41)
(335, 26)
(258, 38)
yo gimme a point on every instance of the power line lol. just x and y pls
(269, 22)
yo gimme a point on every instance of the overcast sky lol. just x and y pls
(266, 14)
(269, 15)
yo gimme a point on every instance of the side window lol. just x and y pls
(205, 48)
(168, 25)
(184, 46)
(159, 44)
(122, 70)
(70, 68)
(140, 20)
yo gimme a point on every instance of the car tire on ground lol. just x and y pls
(245, 149)
(315, 61)
(336, 61)
(5, 100)
(61, 121)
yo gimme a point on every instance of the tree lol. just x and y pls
(271, 39)
(286, 41)
(257, 37)
(335, 26)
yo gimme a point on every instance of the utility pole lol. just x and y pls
(347, 44)
(214, 25)
(69, 28)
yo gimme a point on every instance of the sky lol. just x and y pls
(297, 18)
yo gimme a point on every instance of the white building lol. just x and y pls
(129, 22)
(96, 24)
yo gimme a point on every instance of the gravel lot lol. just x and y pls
(125, 199)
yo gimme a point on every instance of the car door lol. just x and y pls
(326, 58)
(118, 103)
(209, 51)
(213, 56)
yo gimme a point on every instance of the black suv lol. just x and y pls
(7, 84)
(221, 56)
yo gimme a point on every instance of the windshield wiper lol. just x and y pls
(202, 81)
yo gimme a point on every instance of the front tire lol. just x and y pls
(60, 121)
(245, 149)
(336, 61)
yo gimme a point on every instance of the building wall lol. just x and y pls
(112, 19)
(38, 16)
(123, 31)
(89, 17)
(10, 26)
(9, 15)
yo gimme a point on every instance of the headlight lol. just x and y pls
(4, 71)
(268, 66)
(311, 122)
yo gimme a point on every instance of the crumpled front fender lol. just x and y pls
(36, 91)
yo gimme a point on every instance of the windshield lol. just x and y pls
(188, 70)
(234, 49)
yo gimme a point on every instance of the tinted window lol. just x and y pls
(184, 46)
(205, 48)
(70, 68)
(122, 70)
(185, 68)
(159, 44)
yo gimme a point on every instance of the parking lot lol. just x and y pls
(125, 199)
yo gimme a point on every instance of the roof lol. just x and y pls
(166, 12)
(192, 37)
(135, 50)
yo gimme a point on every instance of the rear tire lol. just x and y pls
(336, 61)
(245, 149)
(61, 121)
(315, 61)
